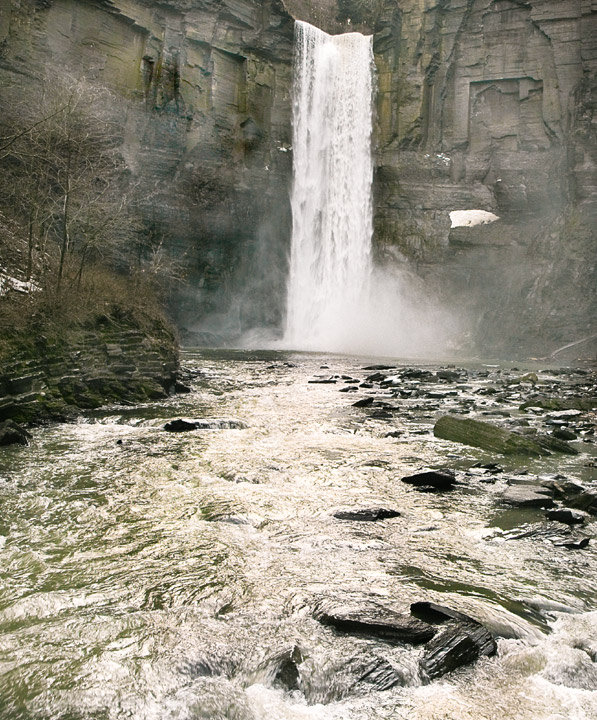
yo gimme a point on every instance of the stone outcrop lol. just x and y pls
(54, 379)
(482, 104)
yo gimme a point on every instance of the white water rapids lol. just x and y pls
(330, 265)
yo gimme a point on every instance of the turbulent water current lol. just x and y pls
(158, 576)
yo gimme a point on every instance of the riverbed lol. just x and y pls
(150, 575)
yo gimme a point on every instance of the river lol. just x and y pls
(154, 575)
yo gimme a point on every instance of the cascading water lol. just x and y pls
(330, 264)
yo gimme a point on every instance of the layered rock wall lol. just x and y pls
(205, 89)
(53, 379)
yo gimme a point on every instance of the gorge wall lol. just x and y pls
(482, 104)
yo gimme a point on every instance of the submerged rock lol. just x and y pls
(287, 675)
(13, 434)
(185, 425)
(366, 514)
(579, 544)
(437, 479)
(496, 439)
(376, 621)
(365, 402)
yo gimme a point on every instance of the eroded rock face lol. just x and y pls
(206, 131)
(487, 105)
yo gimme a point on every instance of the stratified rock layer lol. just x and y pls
(53, 379)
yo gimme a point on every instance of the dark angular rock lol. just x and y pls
(180, 387)
(323, 381)
(438, 479)
(376, 377)
(567, 515)
(13, 434)
(381, 674)
(462, 640)
(364, 402)
(448, 375)
(373, 620)
(576, 496)
(366, 514)
(458, 644)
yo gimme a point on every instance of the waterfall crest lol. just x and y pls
(330, 262)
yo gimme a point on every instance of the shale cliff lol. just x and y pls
(482, 104)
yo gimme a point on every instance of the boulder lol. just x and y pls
(567, 515)
(13, 434)
(496, 439)
(366, 514)
(564, 434)
(438, 479)
(376, 621)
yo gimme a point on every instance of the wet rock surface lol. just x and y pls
(13, 434)
(366, 514)
(461, 640)
(436, 479)
(491, 437)
(376, 621)
(186, 425)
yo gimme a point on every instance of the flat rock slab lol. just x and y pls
(438, 479)
(580, 544)
(366, 514)
(377, 621)
(528, 496)
(185, 425)
(496, 439)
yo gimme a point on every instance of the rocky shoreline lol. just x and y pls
(47, 379)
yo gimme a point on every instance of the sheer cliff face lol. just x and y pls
(490, 104)
(482, 104)
(206, 131)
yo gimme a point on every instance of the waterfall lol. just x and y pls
(330, 262)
